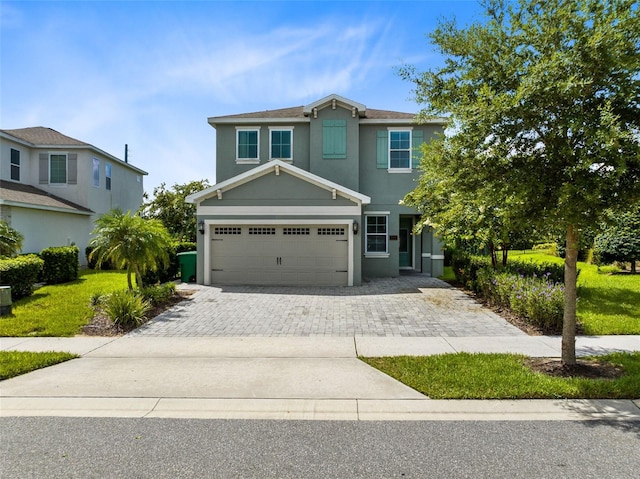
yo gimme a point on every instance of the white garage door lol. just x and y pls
(279, 254)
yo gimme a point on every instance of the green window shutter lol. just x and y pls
(72, 168)
(44, 169)
(334, 139)
(416, 155)
(382, 150)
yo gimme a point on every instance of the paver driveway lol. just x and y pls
(411, 306)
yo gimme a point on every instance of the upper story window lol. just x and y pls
(334, 139)
(58, 168)
(247, 145)
(400, 149)
(96, 172)
(376, 232)
(15, 164)
(107, 176)
(281, 143)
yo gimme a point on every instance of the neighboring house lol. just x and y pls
(53, 187)
(311, 195)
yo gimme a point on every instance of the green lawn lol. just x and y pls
(14, 363)
(61, 309)
(504, 376)
(607, 303)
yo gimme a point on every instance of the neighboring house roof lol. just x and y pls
(302, 113)
(27, 196)
(42, 137)
(276, 165)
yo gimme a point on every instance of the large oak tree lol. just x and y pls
(544, 102)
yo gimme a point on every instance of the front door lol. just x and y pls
(406, 242)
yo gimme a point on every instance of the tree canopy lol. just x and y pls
(168, 205)
(620, 240)
(543, 99)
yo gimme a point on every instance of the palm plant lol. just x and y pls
(130, 242)
(10, 240)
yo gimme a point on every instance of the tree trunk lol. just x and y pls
(494, 259)
(505, 254)
(138, 277)
(633, 266)
(570, 297)
(129, 278)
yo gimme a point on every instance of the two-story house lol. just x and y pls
(311, 195)
(53, 187)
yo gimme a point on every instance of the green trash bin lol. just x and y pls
(187, 262)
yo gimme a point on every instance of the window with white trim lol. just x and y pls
(107, 176)
(281, 144)
(96, 172)
(247, 145)
(15, 164)
(376, 233)
(399, 149)
(58, 168)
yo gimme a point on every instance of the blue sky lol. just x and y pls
(150, 73)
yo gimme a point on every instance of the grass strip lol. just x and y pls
(60, 309)
(14, 363)
(505, 376)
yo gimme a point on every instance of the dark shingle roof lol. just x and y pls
(297, 112)
(39, 135)
(30, 195)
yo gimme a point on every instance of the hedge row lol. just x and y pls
(21, 274)
(60, 264)
(532, 291)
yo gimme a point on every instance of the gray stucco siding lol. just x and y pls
(283, 189)
(343, 171)
(226, 165)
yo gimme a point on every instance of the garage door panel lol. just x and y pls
(279, 255)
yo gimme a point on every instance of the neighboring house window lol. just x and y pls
(281, 144)
(96, 172)
(15, 165)
(400, 149)
(247, 145)
(334, 139)
(57, 169)
(376, 234)
(107, 175)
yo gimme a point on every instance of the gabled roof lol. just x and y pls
(277, 166)
(334, 100)
(27, 196)
(302, 114)
(42, 137)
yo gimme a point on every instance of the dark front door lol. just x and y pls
(406, 241)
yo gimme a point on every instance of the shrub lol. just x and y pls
(158, 294)
(170, 271)
(60, 264)
(549, 248)
(21, 274)
(126, 308)
(92, 262)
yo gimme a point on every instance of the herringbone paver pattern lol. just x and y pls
(408, 306)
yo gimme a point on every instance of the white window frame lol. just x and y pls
(107, 176)
(280, 128)
(66, 169)
(392, 169)
(12, 164)
(376, 254)
(95, 178)
(247, 161)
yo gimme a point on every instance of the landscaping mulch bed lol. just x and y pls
(584, 368)
(101, 325)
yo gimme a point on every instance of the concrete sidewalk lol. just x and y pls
(275, 378)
